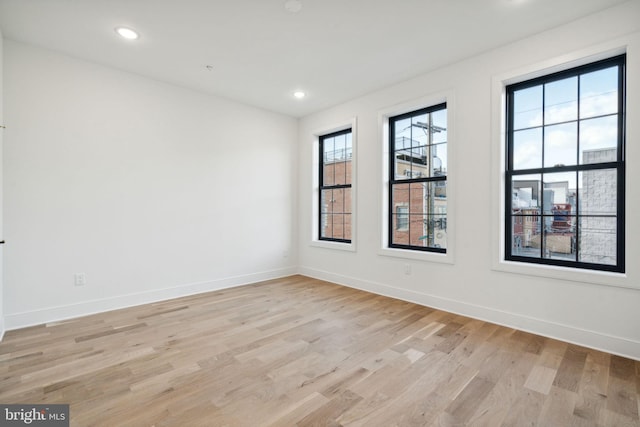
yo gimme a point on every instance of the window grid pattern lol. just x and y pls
(418, 180)
(564, 198)
(336, 152)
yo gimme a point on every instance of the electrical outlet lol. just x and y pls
(407, 269)
(79, 279)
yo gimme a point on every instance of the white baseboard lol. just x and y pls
(54, 314)
(571, 334)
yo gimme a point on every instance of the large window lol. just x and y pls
(418, 180)
(336, 151)
(564, 201)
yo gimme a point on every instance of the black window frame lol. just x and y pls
(618, 165)
(392, 120)
(321, 167)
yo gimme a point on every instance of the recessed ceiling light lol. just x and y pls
(293, 6)
(127, 33)
(299, 94)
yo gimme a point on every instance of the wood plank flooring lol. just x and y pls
(302, 352)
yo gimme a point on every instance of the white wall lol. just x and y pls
(595, 310)
(151, 190)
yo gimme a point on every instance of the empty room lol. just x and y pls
(320, 213)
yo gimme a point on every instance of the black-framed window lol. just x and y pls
(418, 180)
(336, 152)
(565, 171)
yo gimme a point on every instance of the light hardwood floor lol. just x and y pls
(298, 351)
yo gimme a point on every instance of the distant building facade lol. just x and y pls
(554, 226)
(597, 235)
(335, 204)
(420, 208)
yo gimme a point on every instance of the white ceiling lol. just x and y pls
(259, 53)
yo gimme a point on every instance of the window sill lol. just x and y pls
(565, 273)
(349, 247)
(446, 258)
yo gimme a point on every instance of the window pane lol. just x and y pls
(328, 174)
(599, 140)
(525, 194)
(338, 226)
(439, 159)
(400, 229)
(326, 201)
(402, 219)
(439, 231)
(347, 200)
(340, 160)
(402, 134)
(328, 146)
(347, 166)
(559, 191)
(527, 108)
(560, 145)
(338, 201)
(525, 235)
(598, 192)
(599, 93)
(410, 162)
(559, 238)
(418, 197)
(340, 173)
(328, 160)
(598, 240)
(418, 230)
(400, 194)
(439, 126)
(402, 168)
(402, 153)
(348, 158)
(326, 225)
(429, 231)
(561, 101)
(427, 197)
(340, 148)
(563, 220)
(527, 149)
(439, 192)
(347, 226)
(420, 130)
